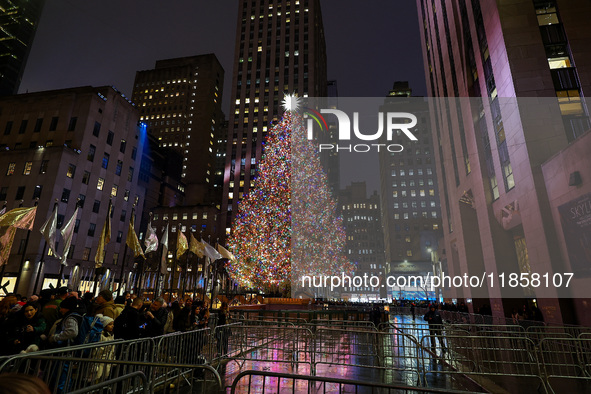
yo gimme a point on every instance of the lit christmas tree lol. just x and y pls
(287, 225)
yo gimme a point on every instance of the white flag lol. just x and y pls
(49, 231)
(67, 234)
(211, 252)
(151, 240)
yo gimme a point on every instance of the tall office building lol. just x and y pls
(411, 211)
(180, 101)
(66, 145)
(496, 216)
(19, 20)
(279, 49)
(362, 220)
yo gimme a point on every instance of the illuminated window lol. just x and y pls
(114, 191)
(100, 184)
(71, 171)
(27, 169)
(11, 167)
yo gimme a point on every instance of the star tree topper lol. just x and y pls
(291, 102)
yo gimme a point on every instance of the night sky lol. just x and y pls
(105, 43)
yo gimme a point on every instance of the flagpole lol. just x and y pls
(157, 286)
(124, 256)
(3, 265)
(20, 269)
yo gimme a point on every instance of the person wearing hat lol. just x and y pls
(102, 370)
(64, 331)
(51, 309)
(104, 305)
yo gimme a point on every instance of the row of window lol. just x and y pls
(415, 215)
(184, 216)
(411, 172)
(413, 193)
(24, 125)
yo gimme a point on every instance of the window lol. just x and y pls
(116, 257)
(97, 129)
(60, 221)
(91, 229)
(53, 124)
(100, 184)
(118, 168)
(65, 195)
(122, 146)
(71, 170)
(11, 167)
(38, 125)
(86, 254)
(114, 191)
(76, 226)
(130, 174)
(123, 214)
(91, 152)
(96, 206)
(23, 127)
(8, 128)
(81, 199)
(175, 216)
(119, 236)
(44, 165)
(20, 192)
(133, 153)
(3, 192)
(105, 163)
(86, 177)
(48, 143)
(110, 136)
(27, 169)
(72, 124)
(126, 195)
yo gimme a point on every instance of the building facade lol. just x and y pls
(280, 49)
(81, 144)
(180, 101)
(496, 216)
(409, 190)
(362, 220)
(19, 20)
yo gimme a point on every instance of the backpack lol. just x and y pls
(89, 330)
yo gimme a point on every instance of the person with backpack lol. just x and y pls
(102, 370)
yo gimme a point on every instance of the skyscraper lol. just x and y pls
(279, 49)
(496, 216)
(180, 101)
(411, 210)
(19, 20)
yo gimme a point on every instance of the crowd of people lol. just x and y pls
(55, 318)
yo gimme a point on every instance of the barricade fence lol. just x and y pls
(402, 351)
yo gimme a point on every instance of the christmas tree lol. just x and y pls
(287, 225)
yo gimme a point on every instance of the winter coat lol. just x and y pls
(17, 331)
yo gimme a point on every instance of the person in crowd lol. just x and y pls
(124, 299)
(202, 318)
(104, 305)
(18, 383)
(222, 331)
(412, 310)
(8, 306)
(127, 325)
(515, 317)
(102, 370)
(65, 330)
(25, 330)
(155, 318)
(88, 299)
(51, 309)
(433, 318)
(375, 316)
(182, 321)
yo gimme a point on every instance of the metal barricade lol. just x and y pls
(355, 324)
(273, 382)
(135, 382)
(225, 342)
(503, 358)
(394, 353)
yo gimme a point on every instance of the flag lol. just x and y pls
(226, 253)
(196, 247)
(49, 231)
(151, 240)
(104, 239)
(211, 252)
(132, 241)
(181, 244)
(22, 218)
(164, 242)
(68, 234)
(2, 211)
(6, 240)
